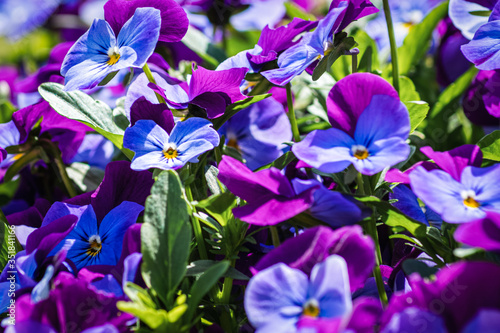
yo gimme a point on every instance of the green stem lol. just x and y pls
(196, 226)
(359, 181)
(394, 47)
(354, 63)
(291, 113)
(55, 155)
(371, 229)
(274, 236)
(151, 79)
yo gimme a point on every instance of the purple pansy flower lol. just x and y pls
(456, 296)
(316, 244)
(483, 233)
(279, 297)
(209, 90)
(458, 200)
(174, 22)
(155, 148)
(481, 102)
(374, 126)
(259, 132)
(269, 195)
(313, 46)
(98, 52)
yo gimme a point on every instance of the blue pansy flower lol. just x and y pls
(313, 46)
(155, 148)
(379, 140)
(279, 297)
(99, 52)
(100, 243)
(459, 201)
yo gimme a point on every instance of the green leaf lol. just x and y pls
(232, 109)
(418, 40)
(281, 162)
(165, 236)
(292, 10)
(9, 245)
(202, 286)
(411, 98)
(394, 218)
(446, 106)
(86, 177)
(81, 107)
(482, 13)
(201, 44)
(108, 78)
(490, 146)
(411, 266)
(220, 207)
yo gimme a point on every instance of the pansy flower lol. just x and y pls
(459, 200)
(98, 243)
(154, 147)
(279, 297)
(370, 123)
(99, 52)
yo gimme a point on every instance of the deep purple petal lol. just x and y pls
(455, 160)
(350, 96)
(483, 233)
(159, 113)
(174, 22)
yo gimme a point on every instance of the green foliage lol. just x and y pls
(328, 60)
(490, 146)
(9, 245)
(410, 97)
(81, 107)
(165, 237)
(292, 10)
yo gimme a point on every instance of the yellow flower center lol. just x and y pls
(95, 245)
(114, 56)
(469, 199)
(170, 151)
(311, 308)
(360, 152)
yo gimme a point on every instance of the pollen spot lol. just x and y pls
(311, 308)
(469, 199)
(114, 56)
(170, 151)
(95, 245)
(360, 152)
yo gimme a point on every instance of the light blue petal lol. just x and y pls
(484, 49)
(460, 14)
(154, 159)
(438, 190)
(276, 296)
(326, 150)
(141, 33)
(189, 151)
(96, 41)
(484, 182)
(194, 129)
(327, 26)
(87, 74)
(383, 154)
(330, 287)
(42, 289)
(10, 134)
(145, 137)
(60, 209)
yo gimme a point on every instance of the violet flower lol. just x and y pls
(483, 233)
(155, 148)
(279, 297)
(313, 46)
(370, 123)
(457, 297)
(98, 52)
(209, 90)
(458, 201)
(269, 195)
(259, 132)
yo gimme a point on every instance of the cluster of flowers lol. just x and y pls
(320, 197)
